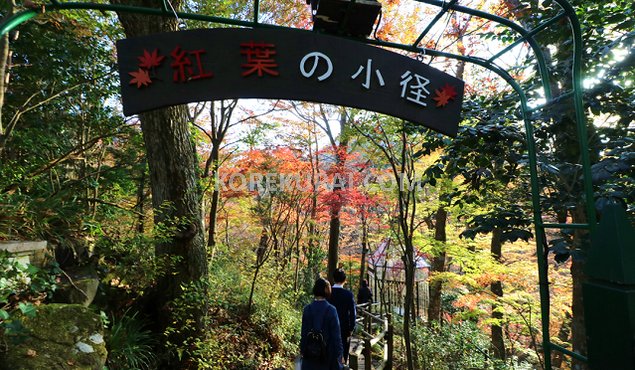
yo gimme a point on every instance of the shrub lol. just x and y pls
(457, 345)
(130, 345)
(265, 338)
(451, 346)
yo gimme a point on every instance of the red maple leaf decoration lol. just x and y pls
(141, 78)
(150, 60)
(444, 95)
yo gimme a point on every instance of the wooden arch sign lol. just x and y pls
(225, 63)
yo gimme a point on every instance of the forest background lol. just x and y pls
(228, 294)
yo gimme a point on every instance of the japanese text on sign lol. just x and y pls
(209, 64)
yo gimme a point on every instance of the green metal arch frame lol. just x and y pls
(567, 11)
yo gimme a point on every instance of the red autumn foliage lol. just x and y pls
(140, 77)
(150, 60)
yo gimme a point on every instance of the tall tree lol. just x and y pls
(458, 28)
(339, 147)
(488, 155)
(399, 143)
(176, 196)
(220, 115)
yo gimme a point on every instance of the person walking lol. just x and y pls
(321, 326)
(364, 295)
(344, 302)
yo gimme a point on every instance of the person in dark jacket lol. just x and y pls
(344, 302)
(364, 295)
(320, 314)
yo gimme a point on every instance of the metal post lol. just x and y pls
(368, 361)
(580, 118)
(389, 340)
(256, 10)
(609, 294)
(353, 362)
(541, 250)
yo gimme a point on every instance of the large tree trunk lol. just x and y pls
(437, 265)
(498, 341)
(176, 200)
(176, 196)
(567, 150)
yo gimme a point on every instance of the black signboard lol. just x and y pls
(209, 64)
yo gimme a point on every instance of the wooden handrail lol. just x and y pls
(376, 318)
(367, 321)
(379, 337)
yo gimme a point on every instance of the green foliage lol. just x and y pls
(451, 346)
(512, 221)
(129, 260)
(458, 345)
(266, 336)
(130, 345)
(25, 282)
(613, 173)
(194, 297)
(22, 285)
(64, 152)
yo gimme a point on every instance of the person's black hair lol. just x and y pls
(365, 283)
(322, 288)
(339, 276)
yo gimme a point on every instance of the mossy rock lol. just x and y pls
(60, 336)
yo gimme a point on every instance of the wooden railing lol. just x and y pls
(392, 294)
(373, 329)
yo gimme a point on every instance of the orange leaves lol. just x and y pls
(471, 302)
(140, 77)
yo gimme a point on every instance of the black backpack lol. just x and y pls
(316, 349)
